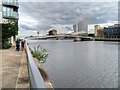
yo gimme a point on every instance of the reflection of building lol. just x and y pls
(9, 11)
(112, 31)
(53, 32)
(98, 31)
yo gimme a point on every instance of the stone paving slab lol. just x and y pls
(22, 81)
(12, 63)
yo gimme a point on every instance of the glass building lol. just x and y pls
(10, 9)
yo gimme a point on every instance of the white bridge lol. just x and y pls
(61, 37)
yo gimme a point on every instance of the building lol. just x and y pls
(0, 12)
(108, 32)
(81, 28)
(98, 31)
(83, 25)
(112, 31)
(53, 32)
(9, 11)
(0, 24)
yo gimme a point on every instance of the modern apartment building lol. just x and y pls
(112, 31)
(9, 11)
(108, 32)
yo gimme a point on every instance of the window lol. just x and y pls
(4, 11)
(8, 12)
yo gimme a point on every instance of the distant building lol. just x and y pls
(98, 31)
(74, 28)
(53, 32)
(112, 31)
(81, 27)
(108, 32)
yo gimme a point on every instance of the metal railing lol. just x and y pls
(36, 80)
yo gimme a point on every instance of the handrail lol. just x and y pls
(36, 80)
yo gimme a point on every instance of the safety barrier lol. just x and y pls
(36, 80)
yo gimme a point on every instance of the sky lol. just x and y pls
(41, 16)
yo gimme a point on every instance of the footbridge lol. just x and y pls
(61, 37)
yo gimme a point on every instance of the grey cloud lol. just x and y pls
(25, 27)
(48, 13)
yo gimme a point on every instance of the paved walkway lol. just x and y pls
(14, 69)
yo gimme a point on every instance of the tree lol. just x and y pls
(9, 28)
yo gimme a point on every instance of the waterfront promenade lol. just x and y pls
(14, 69)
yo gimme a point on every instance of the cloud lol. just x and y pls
(42, 16)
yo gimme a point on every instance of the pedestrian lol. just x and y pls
(22, 44)
(18, 44)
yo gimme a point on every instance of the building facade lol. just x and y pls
(10, 11)
(83, 25)
(81, 28)
(107, 32)
(98, 31)
(52, 32)
(0, 12)
(0, 25)
(111, 31)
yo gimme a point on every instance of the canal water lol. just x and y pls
(85, 64)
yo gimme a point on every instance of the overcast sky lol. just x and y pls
(42, 16)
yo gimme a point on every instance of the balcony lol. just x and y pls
(15, 4)
(14, 15)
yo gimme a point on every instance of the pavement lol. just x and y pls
(14, 69)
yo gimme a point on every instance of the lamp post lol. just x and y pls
(38, 33)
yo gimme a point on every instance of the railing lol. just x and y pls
(36, 80)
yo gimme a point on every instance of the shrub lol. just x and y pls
(6, 45)
(40, 53)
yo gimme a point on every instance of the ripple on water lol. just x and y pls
(82, 64)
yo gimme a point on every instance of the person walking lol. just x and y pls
(22, 44)
(18, 44)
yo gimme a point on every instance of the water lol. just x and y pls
(86, 64)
